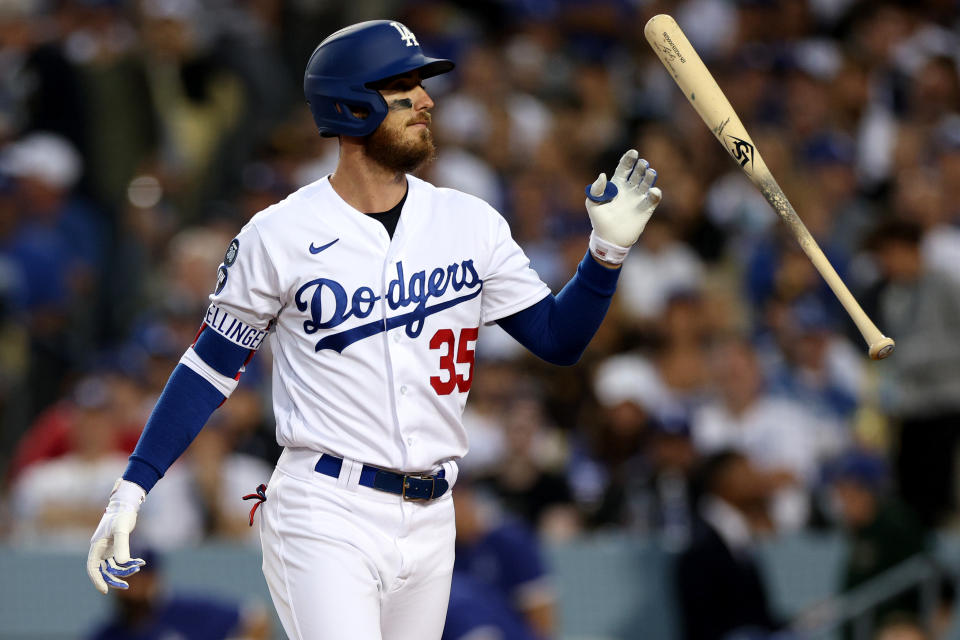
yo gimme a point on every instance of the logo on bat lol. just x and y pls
(665, 50)
(741, 150)
(669, 40)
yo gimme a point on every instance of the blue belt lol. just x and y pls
(409, 487)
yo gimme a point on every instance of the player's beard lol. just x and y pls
(389, 147)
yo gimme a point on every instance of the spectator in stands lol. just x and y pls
(659, 267)
(502, 555)
(57, 501)
(198, 100)
(109, 108)
(882, 531)
(41, 88)
(476, 611)
(921, 308)
(148, 610)
(529, 478)
(192, 257)
(680, 354)
(493, 387)
(719, 585)
(14, 333)
(847, 215)
(608, 456)
(488, 116)
(661, 497)
(781, 438)
(902, 628)
(58, 245)
(810, 361)
(52, 435)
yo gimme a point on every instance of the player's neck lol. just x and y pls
(365, 185)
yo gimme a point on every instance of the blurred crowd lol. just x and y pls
(138, 136)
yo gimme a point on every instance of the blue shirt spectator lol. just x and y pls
(146, 611)
(190, 618)
(505, 556)
(478, 612)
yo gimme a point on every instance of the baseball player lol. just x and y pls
(372, 284)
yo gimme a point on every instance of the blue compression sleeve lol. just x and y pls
(183, 408)
(559, 328)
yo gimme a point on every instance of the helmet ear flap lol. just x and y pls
(358, 113)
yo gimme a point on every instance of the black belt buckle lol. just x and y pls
(406, 485)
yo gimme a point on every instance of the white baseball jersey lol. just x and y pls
(373, 338)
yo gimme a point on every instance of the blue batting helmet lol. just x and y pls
(341, 67)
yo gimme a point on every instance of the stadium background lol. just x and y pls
(137, 137)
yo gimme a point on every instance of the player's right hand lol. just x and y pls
(620, 209)
(109, 559)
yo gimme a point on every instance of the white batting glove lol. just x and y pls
(619, 209)
(109, 559)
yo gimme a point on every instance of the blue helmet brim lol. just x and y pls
(428, 68)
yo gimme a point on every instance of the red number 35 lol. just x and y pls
(464, 352)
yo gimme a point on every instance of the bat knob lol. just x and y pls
(882, 348)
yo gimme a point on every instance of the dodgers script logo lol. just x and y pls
(402, 292)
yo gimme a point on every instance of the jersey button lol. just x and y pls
(410, 441)
(403, 389)
(396, 337)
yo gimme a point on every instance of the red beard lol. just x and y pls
(387, 147)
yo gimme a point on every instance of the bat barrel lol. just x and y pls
(708, 100)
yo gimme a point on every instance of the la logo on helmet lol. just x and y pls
(406, 34)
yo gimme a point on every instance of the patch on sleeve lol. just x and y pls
(231, 255)
(234, 330)
(221, 280)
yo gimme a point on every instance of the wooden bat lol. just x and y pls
(691, 75)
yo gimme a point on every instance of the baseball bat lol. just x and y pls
(691, 75)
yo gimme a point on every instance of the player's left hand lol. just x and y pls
(619, 209)
(109, 561)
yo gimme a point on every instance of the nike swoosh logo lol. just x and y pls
(315, 250)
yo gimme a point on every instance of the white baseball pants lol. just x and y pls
(347, 561)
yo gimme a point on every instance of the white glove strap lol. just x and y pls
(126, 496)
(607, 251)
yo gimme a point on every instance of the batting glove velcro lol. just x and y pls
(109, 559)
(619, 209)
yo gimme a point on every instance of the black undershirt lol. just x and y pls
(389, 219)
